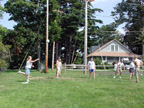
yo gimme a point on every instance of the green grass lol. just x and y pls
(72, 90)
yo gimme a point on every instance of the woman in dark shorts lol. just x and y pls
(132, 70)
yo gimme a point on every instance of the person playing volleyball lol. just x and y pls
(138, 63)
(91, 67)
(58, 67)
(28, 67)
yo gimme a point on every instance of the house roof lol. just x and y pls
(113, 54)
(97, 52)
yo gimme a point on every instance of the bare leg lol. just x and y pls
(57, 75)
(120, 73)
(115, 74)
(131, 74)
(137, 76)
(94, 74)
(137, 79)
(23, 73)
(89, 74)
(28, 77)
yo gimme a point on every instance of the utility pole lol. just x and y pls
(47, 40)
(86, 36)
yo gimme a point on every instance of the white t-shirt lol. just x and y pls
(115, 66)
(59, 64)
(120, 64)
(132, 65)
(91, 64)
(28, 65)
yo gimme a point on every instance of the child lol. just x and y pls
(58, 67)
(120, 67)
(132, 69)
(115, 68)
(28, 67)
(91, 67)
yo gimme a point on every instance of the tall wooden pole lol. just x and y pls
(47, 40)
(86, 34)
(85, 37)
(53, 55)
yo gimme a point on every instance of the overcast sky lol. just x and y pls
(105, 5)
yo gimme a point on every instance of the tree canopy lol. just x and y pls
(131, 12)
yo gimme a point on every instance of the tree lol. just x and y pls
(131, 13)
(29, 33)
(104, 34)
(63, 28)
(72, 20)
(4, 49)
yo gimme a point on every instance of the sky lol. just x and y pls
(105, 5)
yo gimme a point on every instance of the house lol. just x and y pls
(112, 51)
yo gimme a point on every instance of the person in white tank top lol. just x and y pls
(28, 67)
(58, 67)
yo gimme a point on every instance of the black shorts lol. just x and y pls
(131, 70)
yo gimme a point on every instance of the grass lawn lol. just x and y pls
(72, 90)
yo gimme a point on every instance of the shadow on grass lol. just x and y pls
(20, 80)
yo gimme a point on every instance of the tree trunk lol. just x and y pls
(56, 50)
(73, 54)
(39, 56)
(39, 52)
(53, 52)
(69, 53)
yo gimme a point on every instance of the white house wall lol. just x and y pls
(120, 49)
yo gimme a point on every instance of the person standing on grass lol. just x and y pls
(132, 69)
(138, 64)
(28, 67)
(58, 67)
(121, 67)
(91, 67)
(115, 64)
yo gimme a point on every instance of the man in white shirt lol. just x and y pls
(91, 67)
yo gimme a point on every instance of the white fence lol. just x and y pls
(100, 68)
(81, 67)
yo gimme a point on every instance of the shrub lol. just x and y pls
(4, 56)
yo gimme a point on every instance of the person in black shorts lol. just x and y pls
(131, 70)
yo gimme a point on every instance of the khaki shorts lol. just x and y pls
(58, 70)
(137, 69)
(120, 69)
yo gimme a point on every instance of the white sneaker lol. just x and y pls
(25, 82)
(19, 72)
(114, 77)
(120, 77)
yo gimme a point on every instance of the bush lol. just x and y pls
(4, 56)
(97, 61)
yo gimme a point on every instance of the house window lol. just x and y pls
(114, 48)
